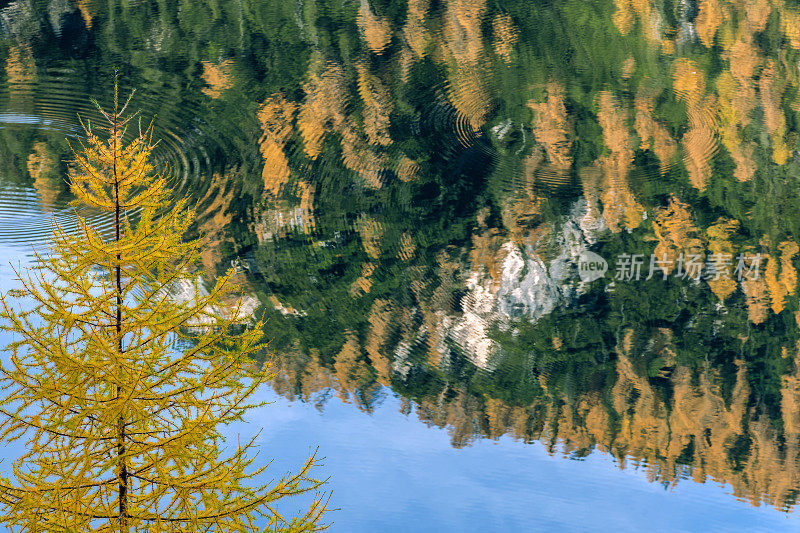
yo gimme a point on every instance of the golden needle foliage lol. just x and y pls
(118, 389)
(676, 234)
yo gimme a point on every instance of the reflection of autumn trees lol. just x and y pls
(629, 11)
(753, 85)
(679, 131)
(710, 17)
(702, 101)
(304, 376)
(678, 237)
(674, 421)
(355, 110)
(620, 206)
(353, 101)
(680, 140)
(378, 106)
(719, 247)
(676, 234)
(506, 36)
(376, 29)
(21, 75)
(217, 77)
(43, 166)
(552, 129)
(699, 141)
(20, 65)
(415, 33)
(654, 136)
(780, 274)
(87, 11)
(463, 46)
(275, 117)
(774, 120)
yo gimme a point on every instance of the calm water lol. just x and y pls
(415, 192)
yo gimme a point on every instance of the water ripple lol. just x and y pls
(50, 105)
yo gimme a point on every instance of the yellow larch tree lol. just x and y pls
(117, 388)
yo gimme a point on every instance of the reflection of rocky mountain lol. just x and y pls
(649, 137)
(511, 280)
(409, 184)
(487, 330)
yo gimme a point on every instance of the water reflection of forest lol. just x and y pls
(686, 423)
(407, 186)
(684, 144)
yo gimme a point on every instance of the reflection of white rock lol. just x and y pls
(275, 222)
(591, 223)
(528, 287)
(401, 364)
(57, 11)
(186, 291)
(687, 33)
(249, 305)
(471, 329)
(18, 19)
(501, 130)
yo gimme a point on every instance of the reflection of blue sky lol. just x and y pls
(390, 472)
(12, 257)
(33, 120)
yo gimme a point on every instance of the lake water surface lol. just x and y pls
(413, 192)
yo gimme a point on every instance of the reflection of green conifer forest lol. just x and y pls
(408, 185)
